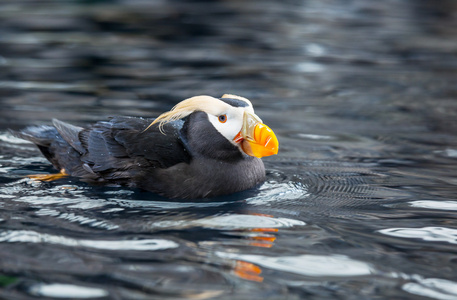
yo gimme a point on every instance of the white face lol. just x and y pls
(228, 120)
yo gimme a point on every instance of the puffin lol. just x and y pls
(203, 147)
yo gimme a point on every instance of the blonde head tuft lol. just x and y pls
(184, 108)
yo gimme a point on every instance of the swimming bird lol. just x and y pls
(203, 147)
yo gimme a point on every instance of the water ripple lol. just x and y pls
(279, 192)
(9, 139)
(28, 236)
(433, 288)
(160, 205)
(430, 204)
(308, 265)
(231, 222)
(59, 290)
(26, 85)
(238, 221)
(430, 234)
(74, 218)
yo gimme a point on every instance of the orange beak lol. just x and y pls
(256, 138)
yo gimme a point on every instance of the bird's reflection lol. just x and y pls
(257, 237)
(248, 271)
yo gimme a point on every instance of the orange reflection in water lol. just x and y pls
(263, 237)
(248, 271)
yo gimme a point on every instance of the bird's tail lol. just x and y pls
(43, 137)
(39, 135)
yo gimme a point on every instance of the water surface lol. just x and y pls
(360, 202)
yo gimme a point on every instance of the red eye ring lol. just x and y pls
(222, 118)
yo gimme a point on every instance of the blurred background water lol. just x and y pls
(360, 203)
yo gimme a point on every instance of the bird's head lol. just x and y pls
(233, 117)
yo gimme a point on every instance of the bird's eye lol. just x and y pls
(223, 118)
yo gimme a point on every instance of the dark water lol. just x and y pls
(360, 203)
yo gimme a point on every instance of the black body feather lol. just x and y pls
(189, 159)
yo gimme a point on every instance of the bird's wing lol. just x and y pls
(162, 147)
(70, 134)
(122, 144)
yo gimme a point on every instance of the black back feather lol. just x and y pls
(70, 134)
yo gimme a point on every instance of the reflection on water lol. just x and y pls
(135, 245)
(247, 222)
(433, 288)
(430, 204)
(308, 265)
(359, 204)
(56, 290)
(432, 234)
